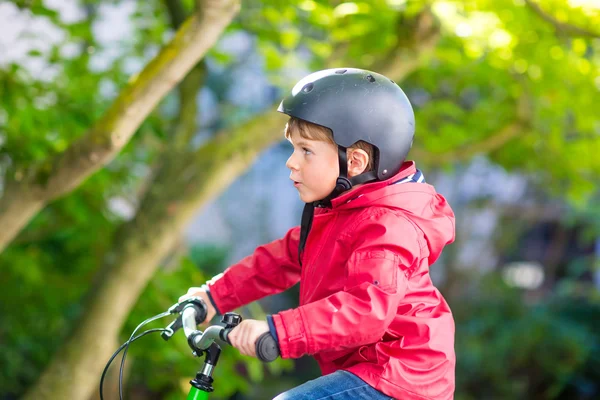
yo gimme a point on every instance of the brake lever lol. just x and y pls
(174, 326)
(178, 307)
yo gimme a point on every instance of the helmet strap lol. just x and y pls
(343, 183)
(305, 225)
(364, 178)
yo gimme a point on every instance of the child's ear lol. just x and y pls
(358, 160)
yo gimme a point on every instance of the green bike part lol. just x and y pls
(197, 394)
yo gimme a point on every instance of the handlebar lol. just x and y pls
(194, 312)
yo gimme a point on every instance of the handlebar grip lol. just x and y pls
(267, 349)
(224, 335)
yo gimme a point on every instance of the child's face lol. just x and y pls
(314, 167)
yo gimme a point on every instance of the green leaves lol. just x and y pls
(498, 63)
(508, 349)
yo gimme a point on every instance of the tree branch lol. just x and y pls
(133, 105)
(561, 27)
(417, 38)
(523, 116)
(463, 153)
(39, 185)
(186, 126)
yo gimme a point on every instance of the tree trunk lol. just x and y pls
(183, 184)
(41, 184)
(75, 370)
(17, 207)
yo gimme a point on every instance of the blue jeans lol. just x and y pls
(341, 385)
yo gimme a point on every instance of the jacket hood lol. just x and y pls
(419, 202)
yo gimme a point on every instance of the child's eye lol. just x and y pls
(306, 151)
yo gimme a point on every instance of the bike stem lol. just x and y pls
(203, 380)
(202, 383)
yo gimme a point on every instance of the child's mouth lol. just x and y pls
(296, 184)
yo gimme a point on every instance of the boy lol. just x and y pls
(368, 312)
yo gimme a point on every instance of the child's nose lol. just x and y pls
(291, 163)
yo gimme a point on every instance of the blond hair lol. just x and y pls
(310, 131)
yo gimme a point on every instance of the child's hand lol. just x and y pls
(244, 336)
(199, 292)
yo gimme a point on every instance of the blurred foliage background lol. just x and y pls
(506, 95)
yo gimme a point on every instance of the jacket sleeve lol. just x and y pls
(386, 250)
(272, 268)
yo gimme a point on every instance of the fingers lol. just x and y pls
(193, 291)
(244, 336)
(238, 338)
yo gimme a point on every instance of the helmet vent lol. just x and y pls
(308, 87)
(341, 71)
(370, 78)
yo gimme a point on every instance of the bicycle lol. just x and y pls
(192, 312)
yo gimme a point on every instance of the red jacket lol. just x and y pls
(367, 303)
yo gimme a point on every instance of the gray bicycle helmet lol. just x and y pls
(357, 104)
